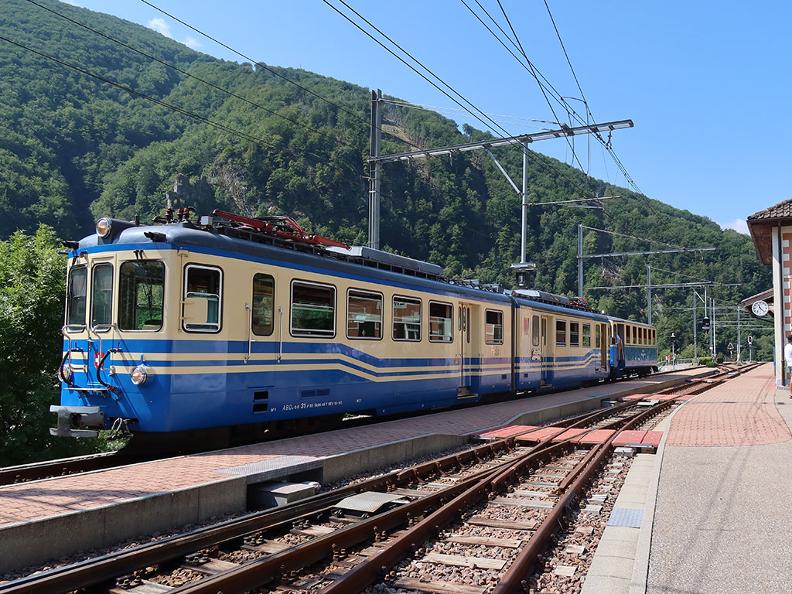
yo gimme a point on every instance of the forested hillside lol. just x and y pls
(73, 148)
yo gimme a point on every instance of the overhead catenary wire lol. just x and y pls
(546, 85)
(182, 71)
(474, 111)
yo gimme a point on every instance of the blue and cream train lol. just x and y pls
(184, 326)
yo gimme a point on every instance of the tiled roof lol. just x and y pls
(782, 210)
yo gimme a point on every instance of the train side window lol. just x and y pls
(535, 331)
(586, 335)
(262, 313)
(643, 336)
(629, 338)
(574, 334)
(561, 331)
(364, 315)
(203, 294)
(141, 299)
(312, 310)
(76, 297)
(598, 335)
(102, 297)
(406, 319)
(494, 327)
(441, 323)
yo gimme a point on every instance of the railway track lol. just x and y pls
(75, 465)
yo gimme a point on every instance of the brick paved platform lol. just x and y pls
(717, 516)
(101, 507)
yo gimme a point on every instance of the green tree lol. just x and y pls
(31, 314)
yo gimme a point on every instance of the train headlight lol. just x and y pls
(67, 373)
(140, 375)
(103, 227)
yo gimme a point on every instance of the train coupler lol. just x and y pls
(77, 421)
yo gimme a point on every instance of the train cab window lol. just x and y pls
(535, 331)
(586, 335)
(406, 319)
(494, 327)
(102, 297)
(441, 323)
(262, 313)
(141, 288)
(574, 334)
(364, 315)
(561, 330)
(203, 288)
(76, 297)
(312, 310)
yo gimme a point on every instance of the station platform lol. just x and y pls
(63, 515)
(712, 507)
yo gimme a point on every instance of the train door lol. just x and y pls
(469, 351)
(602, 334)
(620, 345)
(102, 331)
(546, 346)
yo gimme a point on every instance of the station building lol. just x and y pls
(771, 231)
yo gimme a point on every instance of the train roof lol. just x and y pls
(361, 263)
(633, 322)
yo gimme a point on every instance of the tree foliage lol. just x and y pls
(31, 315)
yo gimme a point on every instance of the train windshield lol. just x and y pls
(142, 290)
(76, 297)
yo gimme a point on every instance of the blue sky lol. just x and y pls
(707, 83)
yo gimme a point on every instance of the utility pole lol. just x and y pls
(738, 334)
(580, 260)
(649, 293)
(695, 339)
(712, 327)
(375, 180)
(524, 221)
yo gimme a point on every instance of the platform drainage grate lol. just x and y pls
(626, 516)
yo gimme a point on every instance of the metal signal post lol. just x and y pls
(375, 180)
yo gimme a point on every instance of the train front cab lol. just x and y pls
(115, 325)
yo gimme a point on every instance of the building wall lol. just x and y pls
(782, 295)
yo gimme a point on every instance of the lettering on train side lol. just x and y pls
(309, 405)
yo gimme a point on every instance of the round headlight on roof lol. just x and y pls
(103, 227)
(139, 375)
